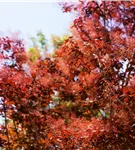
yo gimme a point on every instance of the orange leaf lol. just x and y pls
(49, 135)
(127, 89)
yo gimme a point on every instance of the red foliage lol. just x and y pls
(84, 97)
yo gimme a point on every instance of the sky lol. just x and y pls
(30, 17)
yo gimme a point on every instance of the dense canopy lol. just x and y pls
(81, 98)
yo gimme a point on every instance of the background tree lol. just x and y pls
(42, 48)
(58, 41)
(39, 47)
(39, 41)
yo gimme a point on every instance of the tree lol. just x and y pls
(58, 41)
(89, 83)
(39, 41)
(41, 48)
(38, 48)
